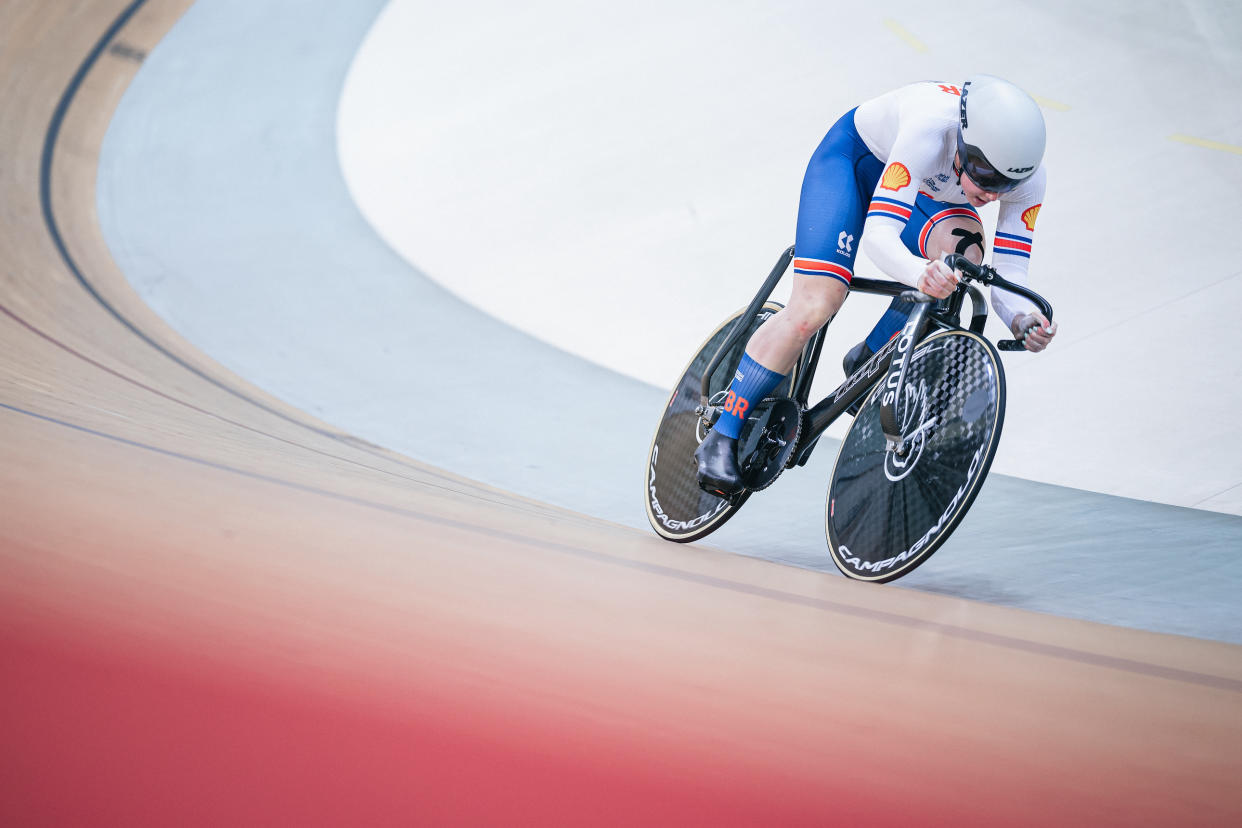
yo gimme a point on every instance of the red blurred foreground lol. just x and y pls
(101, 735)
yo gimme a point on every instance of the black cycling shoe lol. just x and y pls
(859, 354)
(718, 472)
(854, 360)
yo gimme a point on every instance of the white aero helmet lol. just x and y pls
(1000, 134)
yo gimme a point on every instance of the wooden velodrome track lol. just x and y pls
(216, 610)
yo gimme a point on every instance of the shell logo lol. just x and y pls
(896, 177)
(1028, 218)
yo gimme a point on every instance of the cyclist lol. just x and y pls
(902, 174)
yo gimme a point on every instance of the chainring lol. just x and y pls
(768, 440)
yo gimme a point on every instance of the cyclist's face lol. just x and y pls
(976, 195)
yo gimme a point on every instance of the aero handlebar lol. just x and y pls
(988, 276)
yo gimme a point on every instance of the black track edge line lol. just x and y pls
(49, 219)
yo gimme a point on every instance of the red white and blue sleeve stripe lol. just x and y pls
(819, 267)
(1012, 245)
(890, 208)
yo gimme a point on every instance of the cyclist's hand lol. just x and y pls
(937, 280)
(1039, 331)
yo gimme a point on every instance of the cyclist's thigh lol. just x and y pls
(835, 192)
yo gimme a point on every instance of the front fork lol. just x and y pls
(895, 379)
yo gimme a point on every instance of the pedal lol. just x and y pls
(708, 415)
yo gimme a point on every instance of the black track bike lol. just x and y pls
(928, 409)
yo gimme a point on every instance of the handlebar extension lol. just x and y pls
(987, 275)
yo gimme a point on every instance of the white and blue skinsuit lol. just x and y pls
(883, 176)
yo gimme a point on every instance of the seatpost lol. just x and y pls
(743, 321)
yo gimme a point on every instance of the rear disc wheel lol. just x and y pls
(676, 507)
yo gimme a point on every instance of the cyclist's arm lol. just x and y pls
(915, 155)
(1013, 244)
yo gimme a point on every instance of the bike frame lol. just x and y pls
(888, 365)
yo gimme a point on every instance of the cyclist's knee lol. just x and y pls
(957, 234)
(814, 302)
(810, 314)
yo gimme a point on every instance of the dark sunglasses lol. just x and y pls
(985, 176)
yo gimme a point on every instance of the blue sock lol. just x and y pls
(750, 385)
(893, 320)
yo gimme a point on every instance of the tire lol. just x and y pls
(676, 507)
(884, 517)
